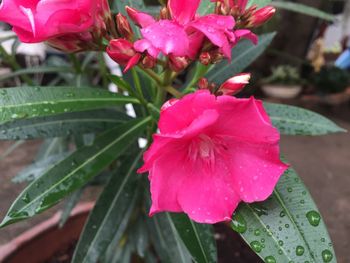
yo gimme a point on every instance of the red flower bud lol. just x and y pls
(205, 58)
(178, 64)
(121, 51)
(203, 83)
(149, 61)
(124, 27)
(234, 84)
(262, 15)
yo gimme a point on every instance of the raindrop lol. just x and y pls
(280, 243)
(256, 246)
(26, 198)
(257, 232)
(290, 189)
(270, 259)
(313, 217)
(238, 223)
(282, 214)
(327, 255)
(299, 251)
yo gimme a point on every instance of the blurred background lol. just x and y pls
(306, 65)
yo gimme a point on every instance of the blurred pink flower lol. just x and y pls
(183, 34)
(39, 20)
(211, 154)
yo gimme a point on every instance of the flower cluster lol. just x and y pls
(225, 150)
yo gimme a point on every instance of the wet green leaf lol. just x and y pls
(70, 203)
(74, 171)
(198, 238)
(287, 227)
(259, 3)
(32, 102)
(292, 120)
(243, 55)
(75, 123)
(105, 219)
(166, 240)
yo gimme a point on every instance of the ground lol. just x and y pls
(322, 162)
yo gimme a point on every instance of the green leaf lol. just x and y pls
(206, 8)
(109, 212)
(291, 120)
(74, 171)
(31, 102)
(287, 227)
(198, 238)
(243, 55)
(166, 240)
(75, 123)
(71, 202)
(303, 9)
(259, 3)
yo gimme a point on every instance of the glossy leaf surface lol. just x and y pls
(243, 55)
(287, 227)
(74, 171)
(31, 102)
(292, 120)
(198, 238)
(105, 219)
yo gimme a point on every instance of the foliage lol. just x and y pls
(284, 75)
(91, 137)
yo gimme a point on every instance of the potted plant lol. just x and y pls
(283, 83)
(207, 157)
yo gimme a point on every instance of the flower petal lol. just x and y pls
(166, 35)
(183, 11)
(140, 18)
(208, 196)
(256, 168)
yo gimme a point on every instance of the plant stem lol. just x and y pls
(174, 92)
(153, 75)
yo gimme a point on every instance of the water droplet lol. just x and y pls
(313, 217)
(69, 94)
(238, 223)
(270, 259)
(290, 189)
(280, 243)
(257, 232)
(327, 255)
(256, 246)
(26, 198)
(323, 239)
(282, 214)
(286, 225)
(299, 251)
(16, 116)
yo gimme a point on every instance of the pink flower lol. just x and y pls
(262, 15)
(39, 20)
(211, 154)
(183, 34)
(235, 84)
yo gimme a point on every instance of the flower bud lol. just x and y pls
(262, 15)
(205, 58)
(148, 61)
(203, 83)
(164, 13)
(121, 51)
(124, 27)
(234, 84)
(178, 64)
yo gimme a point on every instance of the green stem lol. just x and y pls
(174, 92)
(153, 75)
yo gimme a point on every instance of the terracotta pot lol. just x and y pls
(43, 241)
(282, 91)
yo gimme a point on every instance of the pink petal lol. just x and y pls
(183, 11)
(208, 195)
(166, 35)
(256, 168)
(140, 18)
(245, 33)
(132, 62)
(214, 27)
(175, 119)
(249, 119)
(143, 45)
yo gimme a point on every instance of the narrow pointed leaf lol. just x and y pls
(198, 238)
(71, 202)
(74, 171)
(303, 9)
(166, 240)
(31, 102)
(287, 227)
(108, 213)
(243, 55)
(259, 3)
(75, 123)
(292, 120)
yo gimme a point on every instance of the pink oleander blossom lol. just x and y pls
(182, 35)
(67, 20)
(211, 154)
